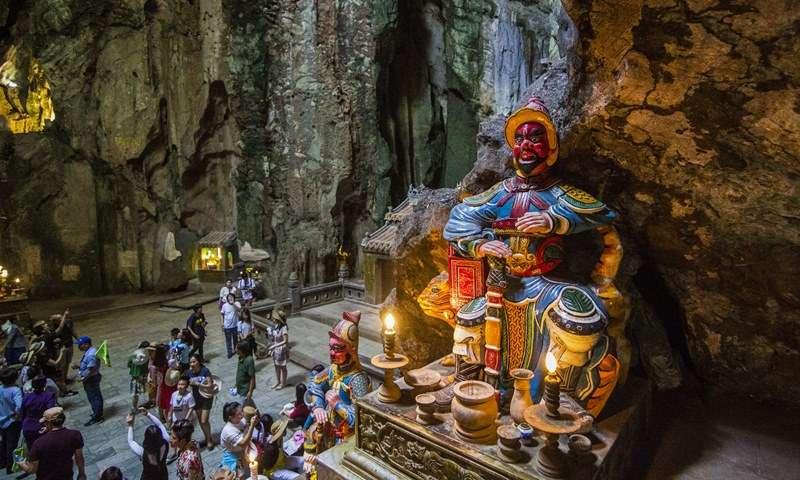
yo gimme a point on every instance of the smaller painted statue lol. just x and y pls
(333, 391)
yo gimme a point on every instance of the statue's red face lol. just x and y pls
(339, 352)
(531, 148)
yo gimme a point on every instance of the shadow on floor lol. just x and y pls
(720, 437)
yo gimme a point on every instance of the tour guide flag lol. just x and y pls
(102, 353)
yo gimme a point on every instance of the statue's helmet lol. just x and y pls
(346, 329)
(534, 111)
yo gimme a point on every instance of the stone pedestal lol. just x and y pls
(390, 444)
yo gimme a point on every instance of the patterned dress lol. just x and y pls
(190, 464)
(280, 355)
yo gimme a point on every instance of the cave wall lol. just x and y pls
(299, 122)
(690, 123)
(141, 150)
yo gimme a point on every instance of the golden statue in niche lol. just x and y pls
(26, 103)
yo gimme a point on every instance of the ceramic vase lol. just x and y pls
(522, 393)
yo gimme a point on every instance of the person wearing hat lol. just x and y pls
(54, 452)
(10, 409)
(89, 375)
(274, 461)
(519, 224)
(279, 336)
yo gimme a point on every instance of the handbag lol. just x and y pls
(20, 454)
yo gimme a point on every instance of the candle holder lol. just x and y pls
(389, 392)
(551, 461)
(552, 386)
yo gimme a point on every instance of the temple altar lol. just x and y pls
(390, 444)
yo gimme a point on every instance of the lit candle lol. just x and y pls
(552, 384)
(253, 464)
(16, 280)
(388, 335)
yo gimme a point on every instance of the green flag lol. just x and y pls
(102, 353)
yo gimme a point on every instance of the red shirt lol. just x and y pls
(299, 412)
(54, 451)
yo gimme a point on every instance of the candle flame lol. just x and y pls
(388, 321)
(551, 362)
(16, 280)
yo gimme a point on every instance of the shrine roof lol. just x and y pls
(381, 240)
(215, 239)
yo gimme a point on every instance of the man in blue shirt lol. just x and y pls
(10, 424)
(89, 374)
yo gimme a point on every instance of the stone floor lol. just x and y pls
(106, 443)
(702, 437)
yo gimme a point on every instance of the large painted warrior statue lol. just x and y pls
(518, 226)
(332, 392)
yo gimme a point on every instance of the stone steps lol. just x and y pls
(368, 328)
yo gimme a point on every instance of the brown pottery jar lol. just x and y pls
(474, 407)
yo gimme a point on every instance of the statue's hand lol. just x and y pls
(535, 222)
(320, 415)
(309, 461)
(495, 248)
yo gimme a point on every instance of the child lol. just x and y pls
(176, 348)
(181, 407)
(298, 410)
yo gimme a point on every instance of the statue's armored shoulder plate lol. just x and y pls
(481, 198)
(360, 384)
(322, 376)
(577, 200)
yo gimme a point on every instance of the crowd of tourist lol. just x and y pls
(172, 389)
